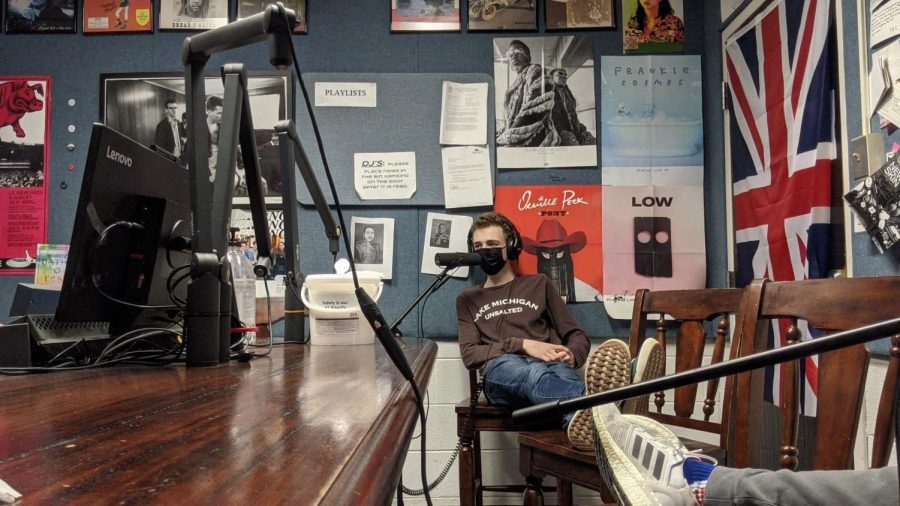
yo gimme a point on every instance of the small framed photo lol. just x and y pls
(656, 27)
(46, 16)
(117, 16)
(247, 8)
(425, 16)
(580, 15)
(192, 14)
(500, 15)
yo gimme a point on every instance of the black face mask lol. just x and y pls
(492, 260)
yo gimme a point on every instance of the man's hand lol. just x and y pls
(548, 352)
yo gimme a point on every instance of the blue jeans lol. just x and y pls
(518, 381)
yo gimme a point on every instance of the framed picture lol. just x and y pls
(150, 108)
(47, 16)
(425, 16)
(579, 14)
(192, 14)
(656, 29)
(499, 15)
(117, 16)
(247, 8)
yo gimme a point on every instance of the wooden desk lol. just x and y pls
(305, 425)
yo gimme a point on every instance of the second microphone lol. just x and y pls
(457, 259)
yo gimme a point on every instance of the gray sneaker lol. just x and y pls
(608, 367)
(649, 364)
(640, 459)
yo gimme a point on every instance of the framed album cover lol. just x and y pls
(117, 16)
(192, 14)
(151, 109)
(500, 15)
(44, 16)
(425, 16)
(580, 15)
(247, 8)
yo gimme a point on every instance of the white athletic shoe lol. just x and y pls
(640, 459)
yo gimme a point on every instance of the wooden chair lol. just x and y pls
(828, 305)
(548, 454)
(473, 418)
(685, 312)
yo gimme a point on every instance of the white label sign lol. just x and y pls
(346, 95)
(379, 176)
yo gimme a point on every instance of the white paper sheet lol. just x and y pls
(464, 113)
(879, 83)
(375, 251)
(379, 176)
(467, 176)
(436, 226)
(885, 23)
(889, 107)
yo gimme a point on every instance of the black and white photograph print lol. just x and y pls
(151, 109)
(373, 244)
(192, 14)
(440, 233)
(41, 16)
(545, 105)
(247, 8)
(498, 15)
(580, 14)
(425, 15)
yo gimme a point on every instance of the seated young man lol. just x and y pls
(516, 329)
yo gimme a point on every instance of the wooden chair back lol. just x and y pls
(687, 312)
(828, 305)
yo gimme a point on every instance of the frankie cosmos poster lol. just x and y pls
(561, 234)
(24, 151)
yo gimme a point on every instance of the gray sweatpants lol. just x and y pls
(870, 487)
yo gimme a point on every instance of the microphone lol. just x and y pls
(457, 259)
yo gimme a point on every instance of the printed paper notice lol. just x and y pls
(346, 95)
(382, 176)
(467, 177)
(464, 113)
(885, 23)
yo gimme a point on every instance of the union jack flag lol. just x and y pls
(779, 70)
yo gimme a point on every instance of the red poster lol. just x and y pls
(561, 229)
(117, 16)
(24, 156)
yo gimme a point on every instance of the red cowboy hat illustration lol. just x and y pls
(552, 234)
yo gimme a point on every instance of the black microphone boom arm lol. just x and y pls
(815, 346)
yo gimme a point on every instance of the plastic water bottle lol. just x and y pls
(244, 281)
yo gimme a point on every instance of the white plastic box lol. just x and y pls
(334, 314)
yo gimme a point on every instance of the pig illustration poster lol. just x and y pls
(561, 234)
(24, 139)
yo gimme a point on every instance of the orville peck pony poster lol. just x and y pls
(24, 147)
(561, 229)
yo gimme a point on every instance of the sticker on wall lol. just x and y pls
(24, 170)
(117, 16)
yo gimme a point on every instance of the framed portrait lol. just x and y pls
(494, 15)
(151, 109)
(247, 8)
(579, 14)
(658, 29)
(48, 16)
(117, 16)
(425, 16)
(192, 14)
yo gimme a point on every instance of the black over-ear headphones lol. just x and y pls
(513, 242)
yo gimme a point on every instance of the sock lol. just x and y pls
(696, 473)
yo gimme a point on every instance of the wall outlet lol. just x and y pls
(866, 154)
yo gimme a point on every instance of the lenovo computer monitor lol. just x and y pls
(131, 225)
